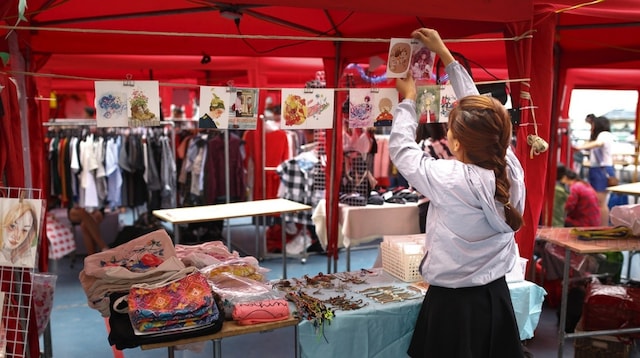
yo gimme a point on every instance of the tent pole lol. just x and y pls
(17, 62)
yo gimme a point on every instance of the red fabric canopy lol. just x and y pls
(276, 43)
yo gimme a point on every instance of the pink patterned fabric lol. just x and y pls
(247, 313)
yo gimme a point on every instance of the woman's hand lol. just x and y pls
(430, 38)
(406, 87)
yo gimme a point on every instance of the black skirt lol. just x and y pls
(470, 322)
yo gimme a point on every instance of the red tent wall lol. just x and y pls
(532, 59)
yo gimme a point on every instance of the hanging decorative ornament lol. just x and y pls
(363, 74)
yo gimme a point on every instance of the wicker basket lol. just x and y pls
(397, 262)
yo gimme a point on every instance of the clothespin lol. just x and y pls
(128, 82)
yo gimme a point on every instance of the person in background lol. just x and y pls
(582, 207)
(578, 155)
(477, 200)
(559, 198)
(90, 225)
(601, 161)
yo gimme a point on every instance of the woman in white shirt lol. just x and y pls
(600, 161)
(476, 207)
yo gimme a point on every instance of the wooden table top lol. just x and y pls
(562, 236)
(229, 329)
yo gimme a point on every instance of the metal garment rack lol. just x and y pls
(17, 280)
(79, 123)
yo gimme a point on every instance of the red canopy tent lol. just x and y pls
(165, 41)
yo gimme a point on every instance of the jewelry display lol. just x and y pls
(345, 304)
(311, 309)
(386, 294)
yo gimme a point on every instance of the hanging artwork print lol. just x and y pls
(243, 112)
(214, 105)
(409, 55)
(127, 104)
(307, 108)
(371, 108)
(428, 103)
(20, 231)
(447, 100)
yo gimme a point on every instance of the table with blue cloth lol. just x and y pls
(385, 329)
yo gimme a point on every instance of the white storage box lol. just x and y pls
(401, 256)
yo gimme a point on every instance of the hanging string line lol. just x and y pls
(559, 11)
(237, 36)
(168, 84)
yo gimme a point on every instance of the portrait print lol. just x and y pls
(20, 219)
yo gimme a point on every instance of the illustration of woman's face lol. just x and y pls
(17, 231)
(216, 113)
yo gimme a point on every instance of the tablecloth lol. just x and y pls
(385, 330)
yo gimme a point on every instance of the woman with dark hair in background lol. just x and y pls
(601, 161)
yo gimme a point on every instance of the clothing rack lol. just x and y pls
(79, 123)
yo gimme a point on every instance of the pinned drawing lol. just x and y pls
(371, 108)
(428, 103)
(399, 58)
(214, 102)
(243, 111)
(127, 104)
(447, 100)
(307, 109)
(20, 231)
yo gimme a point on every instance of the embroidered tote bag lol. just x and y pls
(177, 303)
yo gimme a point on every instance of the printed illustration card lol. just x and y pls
(243, 112)
(428, 103)
(371, 108)
(447, 101)
(409, 55)
(307, 108)
(20, 232)
(215, 107)
(127, 104)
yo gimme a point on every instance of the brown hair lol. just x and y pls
(483, 127)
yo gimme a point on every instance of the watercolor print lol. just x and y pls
(399, 57)
(134, 104)
(307, 108)
(383, 103)
(447, 100)
(21, 223)
(214, 107)
(243, 112)
(369, 108)
(422, 60)
(428, 103)
(111, 104)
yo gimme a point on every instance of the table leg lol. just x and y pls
(284, 247)
(563, 301)
(176, 233)
(349, 258)
(170, 352)
(296, 341)
(217, 348)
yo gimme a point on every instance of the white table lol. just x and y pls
(362, 224)
(628, 189)
(195, 214)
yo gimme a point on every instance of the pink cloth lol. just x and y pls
(247, 313)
